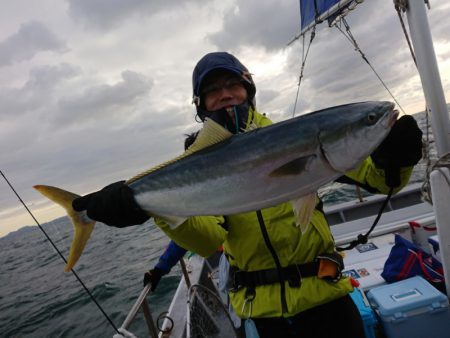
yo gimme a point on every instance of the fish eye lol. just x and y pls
(371, 118)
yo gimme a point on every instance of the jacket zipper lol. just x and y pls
(269, 245)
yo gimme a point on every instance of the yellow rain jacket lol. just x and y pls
(246, 249)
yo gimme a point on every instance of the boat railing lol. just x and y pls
(142, 303)
(370, 206)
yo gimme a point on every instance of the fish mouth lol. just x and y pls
(390, 120)
(394, 117)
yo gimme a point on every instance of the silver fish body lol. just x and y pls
(286, 161)
(267, 166)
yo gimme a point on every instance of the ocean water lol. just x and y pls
(37, 299)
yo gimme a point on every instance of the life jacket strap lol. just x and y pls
(292, 273)
(326, 266)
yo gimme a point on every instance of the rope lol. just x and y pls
(362, 239)
(304, 56)
(61, 255)
(352, 40)
(442, 162)
(400, 6)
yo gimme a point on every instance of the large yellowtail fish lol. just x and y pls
(225, 174)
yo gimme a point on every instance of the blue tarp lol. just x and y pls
(310, 9)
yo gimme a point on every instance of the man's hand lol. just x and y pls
(153, 277)
(114, 205)
(401, 148)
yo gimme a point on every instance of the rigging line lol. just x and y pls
(402, 23)
(304, 56)
(357, 48)
(60, 254)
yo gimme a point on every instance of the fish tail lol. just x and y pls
(82, 225)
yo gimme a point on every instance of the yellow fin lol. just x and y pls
(303, 210)
(210, 134)
(82, 225)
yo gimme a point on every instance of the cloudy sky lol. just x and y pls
(94, 91)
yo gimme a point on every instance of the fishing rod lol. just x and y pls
(61, 255)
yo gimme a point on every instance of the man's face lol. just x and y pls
(223, 89)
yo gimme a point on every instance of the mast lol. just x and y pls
(440, 123)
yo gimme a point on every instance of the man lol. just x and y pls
(288, 282)
(170, 257)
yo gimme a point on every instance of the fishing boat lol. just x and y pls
(199, 306)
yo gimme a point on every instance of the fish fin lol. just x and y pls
(303, 210)
(82, 225)
(294, 167)
(172, 221)
(210, 134)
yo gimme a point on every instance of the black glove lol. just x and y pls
(113, 205)
(401, 148)
(153, 277)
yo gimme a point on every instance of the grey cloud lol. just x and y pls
(37, 92)
(30, 39)
(264, 96)
(104, 100)
(268, 24)
(107, 14)
(47, 77)
(439, 15)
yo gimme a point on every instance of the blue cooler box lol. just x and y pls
(367, 314)
(411, 308)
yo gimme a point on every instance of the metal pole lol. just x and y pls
(429, 74)
(185, 273)
(440, 178)
(436, 103)
(129, 319)
(149, 319)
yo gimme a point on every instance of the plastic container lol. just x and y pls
(411, 308)
(367, 314)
